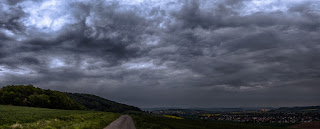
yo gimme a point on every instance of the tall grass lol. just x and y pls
(36, 118)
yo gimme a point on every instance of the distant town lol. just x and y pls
(262, 115)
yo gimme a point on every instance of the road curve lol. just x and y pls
(123, 122)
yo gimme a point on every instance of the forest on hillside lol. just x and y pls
(31, 96)
(35, 97)
(93, 102)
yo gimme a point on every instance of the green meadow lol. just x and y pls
(35, 118)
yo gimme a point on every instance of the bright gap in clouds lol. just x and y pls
(256, 6)
(57, 63)
(142, 65)
(18, 71)
(49, 15)
(131, 2)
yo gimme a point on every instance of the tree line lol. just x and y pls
(92, 102)
(29, 95)
(35, 97)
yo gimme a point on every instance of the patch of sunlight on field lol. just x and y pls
(174, 117)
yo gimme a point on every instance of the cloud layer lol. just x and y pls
(179, 53)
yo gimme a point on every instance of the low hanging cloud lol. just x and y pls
(173, 53)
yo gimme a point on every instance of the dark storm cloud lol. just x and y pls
(10, 17)
(169, 53)
(233, 55)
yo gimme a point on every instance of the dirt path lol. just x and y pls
(123, 122)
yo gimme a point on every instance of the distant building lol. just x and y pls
(265, 110)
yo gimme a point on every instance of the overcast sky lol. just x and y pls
(166, 53)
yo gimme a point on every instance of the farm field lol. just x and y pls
(30, 117)
(157, 122)
(173, 117)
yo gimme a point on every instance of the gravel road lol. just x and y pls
(123, 122)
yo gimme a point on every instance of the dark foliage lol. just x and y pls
(35, 97)
(93, 102)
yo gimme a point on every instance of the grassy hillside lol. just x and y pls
(157, 122)
(35, 118)
(93, 102)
